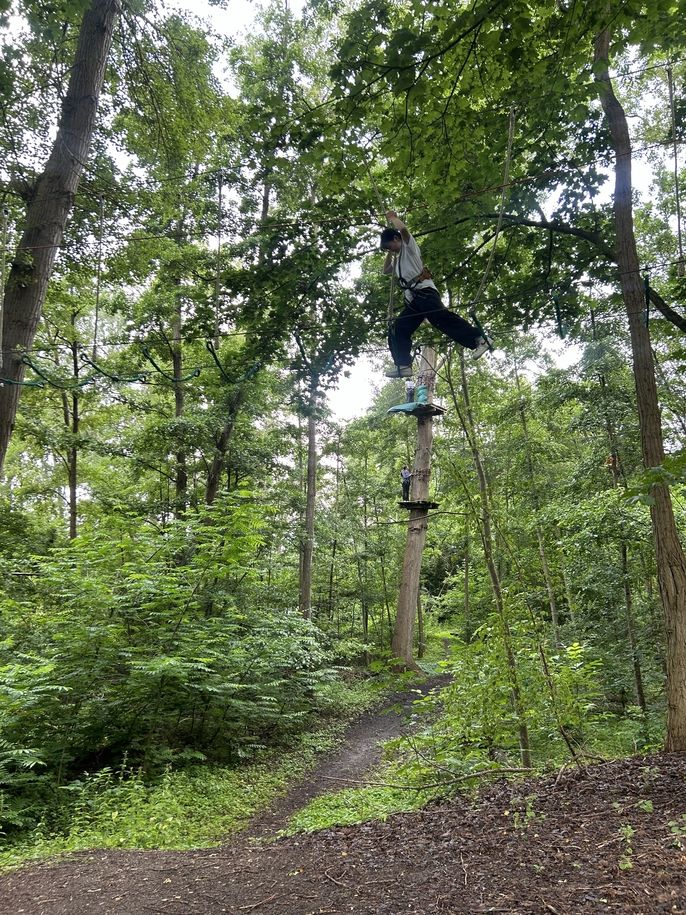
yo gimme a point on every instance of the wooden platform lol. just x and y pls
(418, 409)
(427, 505)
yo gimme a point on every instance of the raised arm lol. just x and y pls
(398, 224)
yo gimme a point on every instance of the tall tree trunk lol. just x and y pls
(671, 563)
(384, 584)
(630, 631)
(181, 474)
(467, 633)
(73, 450)
(51, 202)
(421, 642)
(70, 416)
(467, 421)
(624, 558)
(403, 634)
(221, 447)
(305, 601)
(545, 567)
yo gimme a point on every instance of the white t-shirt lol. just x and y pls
(408, 265)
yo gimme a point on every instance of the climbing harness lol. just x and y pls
(426, 274)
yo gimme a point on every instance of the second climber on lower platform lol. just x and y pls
(422, 300)
(406, 480)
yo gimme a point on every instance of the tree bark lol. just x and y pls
(305, 601)
(221, 446)
(403, 633)
(421, 644)
(624, 558)
(671, 563)
(73, 450)
(181, 473)
(51, 202)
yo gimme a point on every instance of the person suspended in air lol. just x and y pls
(422, 300)
(406, 479)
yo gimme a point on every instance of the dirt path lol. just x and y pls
(31, 891)
(607, 839)
(359, 752)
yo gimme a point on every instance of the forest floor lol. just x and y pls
(608, 838)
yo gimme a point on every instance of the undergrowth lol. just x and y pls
(196, 806)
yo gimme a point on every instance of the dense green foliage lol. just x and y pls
(152, 511)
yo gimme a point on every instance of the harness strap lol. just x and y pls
(426, 274)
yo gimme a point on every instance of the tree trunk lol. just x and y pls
(417, 526)
(545, 567)
(624, 558)
(467, 421)
(50, 203)
(73, 450)
(181, 475)
(631, 635)
(221, 446)
(467, 633)
(305, 602)
(671, 563)
(421, 642)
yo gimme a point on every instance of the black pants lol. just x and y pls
(426, 303)
(406, 490)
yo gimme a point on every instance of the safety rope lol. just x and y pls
(375, 187)
(193, 374)
(558, 316)
(503, 196)
(3, 249)
(139, 377)
(391, 295)
(60, 385)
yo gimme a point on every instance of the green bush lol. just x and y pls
(129, 643)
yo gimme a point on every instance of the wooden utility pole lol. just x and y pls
(418, 506)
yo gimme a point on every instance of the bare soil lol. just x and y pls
(603, 839)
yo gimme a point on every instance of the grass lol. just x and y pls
(193, 807)
(358, 805)
(199, 806)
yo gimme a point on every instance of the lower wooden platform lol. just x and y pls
(422, 504)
